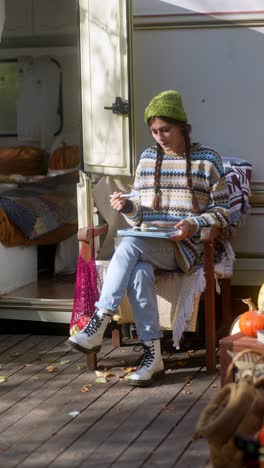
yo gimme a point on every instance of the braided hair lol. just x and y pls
(157, 174)
(186, 130)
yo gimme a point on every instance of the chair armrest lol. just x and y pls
(208, 234)
(86, 234)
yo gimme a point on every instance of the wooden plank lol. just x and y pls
(41, 387)
(171, 451)
(100, 400)
(196, 455)
(4, 337)
(52, 405)
(20, 402)
(33, 349)
(93, 438)
(150, 403)
(116, 425)
(69, 433)
(138, 447)
(12, 341)
(20, 348)
(25, 366)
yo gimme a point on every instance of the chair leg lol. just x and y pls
(117, 336)
(92, 361)
(210, 322)
(226, 309)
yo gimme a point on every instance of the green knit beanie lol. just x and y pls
(166, 104)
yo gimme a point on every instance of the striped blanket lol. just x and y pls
(238, 176)
(37, 208)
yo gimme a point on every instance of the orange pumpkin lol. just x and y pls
(252, 320)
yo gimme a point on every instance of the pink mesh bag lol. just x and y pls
(86, 292)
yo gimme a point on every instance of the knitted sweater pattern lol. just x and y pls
(210, 188)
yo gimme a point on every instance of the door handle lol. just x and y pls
(119, 107)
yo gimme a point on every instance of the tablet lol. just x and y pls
(161, 233)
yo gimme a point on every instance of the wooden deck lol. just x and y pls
(54, 412)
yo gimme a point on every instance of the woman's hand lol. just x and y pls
(117, 203)
(184, 230)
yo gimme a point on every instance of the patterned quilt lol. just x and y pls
(39, 206)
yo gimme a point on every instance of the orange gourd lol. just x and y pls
(252, 320)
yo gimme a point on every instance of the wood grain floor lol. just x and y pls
(54, 412)
(47, 287)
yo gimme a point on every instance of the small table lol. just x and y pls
(234, 344)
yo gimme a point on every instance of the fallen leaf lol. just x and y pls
(117, 368)
(86, 388)
(190, 352)
(3, 449)
(187, 392)
(82, 366)
(181, 363)
(101, 380)
(3, 378)
(129, 369)
(103, 374)
(74, 413)
(168, 408)
(15, 354)
(214, 386)
(67, 361)
(52, 359)
(52, 368)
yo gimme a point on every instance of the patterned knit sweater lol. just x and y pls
(210, 189)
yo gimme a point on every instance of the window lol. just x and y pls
(12, 81)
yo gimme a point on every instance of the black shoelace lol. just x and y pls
(92, 327)
(148, 357)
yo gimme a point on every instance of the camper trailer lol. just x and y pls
(75, 77)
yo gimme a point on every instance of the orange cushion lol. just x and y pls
(24, 160)
(65, 157)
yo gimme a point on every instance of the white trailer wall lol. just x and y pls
(219, 68)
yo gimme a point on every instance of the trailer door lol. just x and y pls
(106, 81)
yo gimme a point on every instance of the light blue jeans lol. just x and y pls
(132, 271)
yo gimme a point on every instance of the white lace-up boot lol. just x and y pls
(151, 366)
(90, 338)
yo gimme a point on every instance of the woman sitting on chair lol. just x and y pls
(177, 184)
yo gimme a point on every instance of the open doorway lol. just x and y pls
(40, 145)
